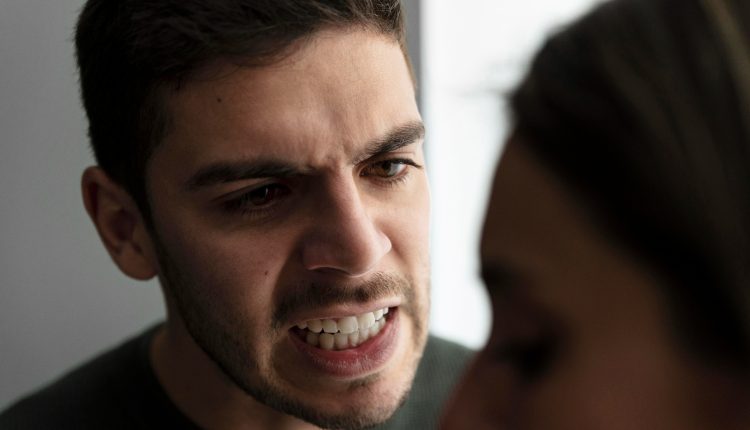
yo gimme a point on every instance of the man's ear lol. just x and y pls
(119, 223)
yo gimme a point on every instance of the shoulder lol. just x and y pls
(442, 365)
(87, 395)
(444, 356)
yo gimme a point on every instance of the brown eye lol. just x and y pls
(530, 357)
(257, 198)
(390, 169)
(263, 195)
(387, 169)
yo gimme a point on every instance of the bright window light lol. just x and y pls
(474, 52)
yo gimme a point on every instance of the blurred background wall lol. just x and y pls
(62, 300)
(473, 53)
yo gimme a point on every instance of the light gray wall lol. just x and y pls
(413, 10)
(61, 299)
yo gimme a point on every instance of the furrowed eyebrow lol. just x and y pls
(226, 172)
(397, 138)
(221, 173)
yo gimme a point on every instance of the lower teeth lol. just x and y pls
(339, 341)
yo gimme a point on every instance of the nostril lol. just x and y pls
(345, 235)
(345, 251)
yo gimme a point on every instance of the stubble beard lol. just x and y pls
(218, 338)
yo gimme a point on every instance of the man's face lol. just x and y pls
(293, 195)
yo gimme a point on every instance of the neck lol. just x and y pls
(201, 390)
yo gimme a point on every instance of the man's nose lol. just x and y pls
(344, 237)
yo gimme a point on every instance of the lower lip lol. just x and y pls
(366, 358)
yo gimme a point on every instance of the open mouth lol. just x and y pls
(339, 334)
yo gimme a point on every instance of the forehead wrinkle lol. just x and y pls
(323, 122)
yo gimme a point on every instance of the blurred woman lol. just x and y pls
(616, 247)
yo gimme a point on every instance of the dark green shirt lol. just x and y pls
(118, 390)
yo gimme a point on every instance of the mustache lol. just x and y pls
(380, 286)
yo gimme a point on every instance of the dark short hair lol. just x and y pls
(642, 108)
(132, 53)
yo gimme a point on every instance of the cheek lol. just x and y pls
(237, 274)
(622, 382)
(408, 223)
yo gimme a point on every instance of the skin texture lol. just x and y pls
(581, 337)
(330, 230)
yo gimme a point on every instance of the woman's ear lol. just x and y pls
(120, 224)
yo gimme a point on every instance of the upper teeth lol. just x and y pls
(344, 325)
